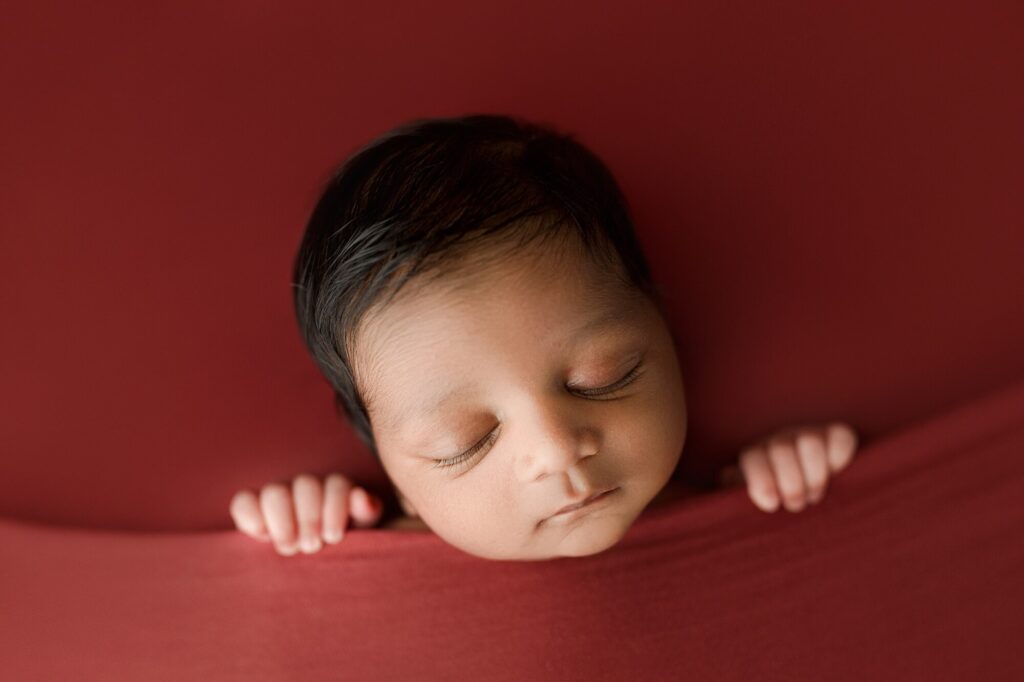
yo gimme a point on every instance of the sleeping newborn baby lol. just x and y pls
(474, 291)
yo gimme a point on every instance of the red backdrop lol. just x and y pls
(831, 195)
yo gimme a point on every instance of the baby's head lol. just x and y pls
(475, 293)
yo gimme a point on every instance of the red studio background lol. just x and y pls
(829, 194)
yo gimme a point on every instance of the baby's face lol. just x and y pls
(501, 361)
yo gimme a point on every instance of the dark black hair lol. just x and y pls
(417, 198)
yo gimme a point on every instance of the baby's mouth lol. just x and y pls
(569, 511)
(593, 499)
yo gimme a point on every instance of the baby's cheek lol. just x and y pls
(647, 443)
(653, 433)
(487, 534)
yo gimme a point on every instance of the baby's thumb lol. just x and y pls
(364, 509)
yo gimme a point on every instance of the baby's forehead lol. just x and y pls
(458, 329)
(485, 275)
(531, 278)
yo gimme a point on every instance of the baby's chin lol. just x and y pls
(582, 543)
(579, 540)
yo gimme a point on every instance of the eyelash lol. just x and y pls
(468, 454)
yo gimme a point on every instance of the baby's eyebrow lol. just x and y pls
(610, 317)
(619, 315)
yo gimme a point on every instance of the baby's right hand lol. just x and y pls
(298, 518)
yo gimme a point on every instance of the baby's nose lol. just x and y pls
(560, 442)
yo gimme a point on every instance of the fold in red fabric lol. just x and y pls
(912, 568)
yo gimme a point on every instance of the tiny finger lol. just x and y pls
(842, 444)
(364, 509)
(760, 479)
(245, 511)
(810, 448)
(788, 475)
(335, 513)
(308, 499)
(276, 505)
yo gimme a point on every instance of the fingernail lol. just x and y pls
(332, 535)
(311, 544)
(286, 550)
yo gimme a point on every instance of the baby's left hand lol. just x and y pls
(794, 463)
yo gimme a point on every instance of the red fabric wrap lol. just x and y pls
(909, 569)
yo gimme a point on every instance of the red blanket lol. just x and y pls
(911, 568)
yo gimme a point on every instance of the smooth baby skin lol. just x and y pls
(793, 466)
(501, 394)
